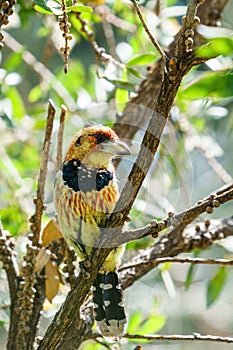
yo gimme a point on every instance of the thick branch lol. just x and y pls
(146, 261)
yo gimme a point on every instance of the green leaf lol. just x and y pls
(6, 119)
(43, 10)
(134, 72)
(171, 2)
(191, 270)
(80, 8)
(216, 47)
(35, 94)
(17, 102)
(13, 61)
(121, 97)
(189, 277)
(89, 345)
(41, 6)
(218, 84)
(215, 285)
(152, 325)
(14, 218)
(48, 7)
(142, 59)
(121, 84)
(134, 322)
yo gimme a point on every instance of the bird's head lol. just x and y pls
(95, 146)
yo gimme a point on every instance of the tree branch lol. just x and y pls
(152, 39)
(192, 135)
(194, 261)
(60, 137)
(178, 221)
(170, 245)
(137, 267)
(178, 337)
(36, 218)
(174, 337)
(139, 107)
(26, 308)
(99, 51)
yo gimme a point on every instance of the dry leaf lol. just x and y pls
(50, 233)
(42, 259)
(52, 280)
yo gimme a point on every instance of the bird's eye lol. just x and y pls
(101, 137)
(78, 142)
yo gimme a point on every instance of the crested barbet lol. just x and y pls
(85, 194)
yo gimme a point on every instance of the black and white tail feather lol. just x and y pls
(109, 305)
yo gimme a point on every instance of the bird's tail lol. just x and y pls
(108, 305)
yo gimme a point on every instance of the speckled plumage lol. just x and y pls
(85, 192)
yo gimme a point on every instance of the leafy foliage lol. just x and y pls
(215, 285)
(152, 324)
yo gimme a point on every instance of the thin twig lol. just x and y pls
(192, 134)
(120, 23)
(99, 51)
(152, 39)
(60, 136)
(36, 218)
(194, 261)
(179, 337)
(110, 38)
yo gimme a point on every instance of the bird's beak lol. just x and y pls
(116, 147)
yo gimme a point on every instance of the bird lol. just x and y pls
(85, 194)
